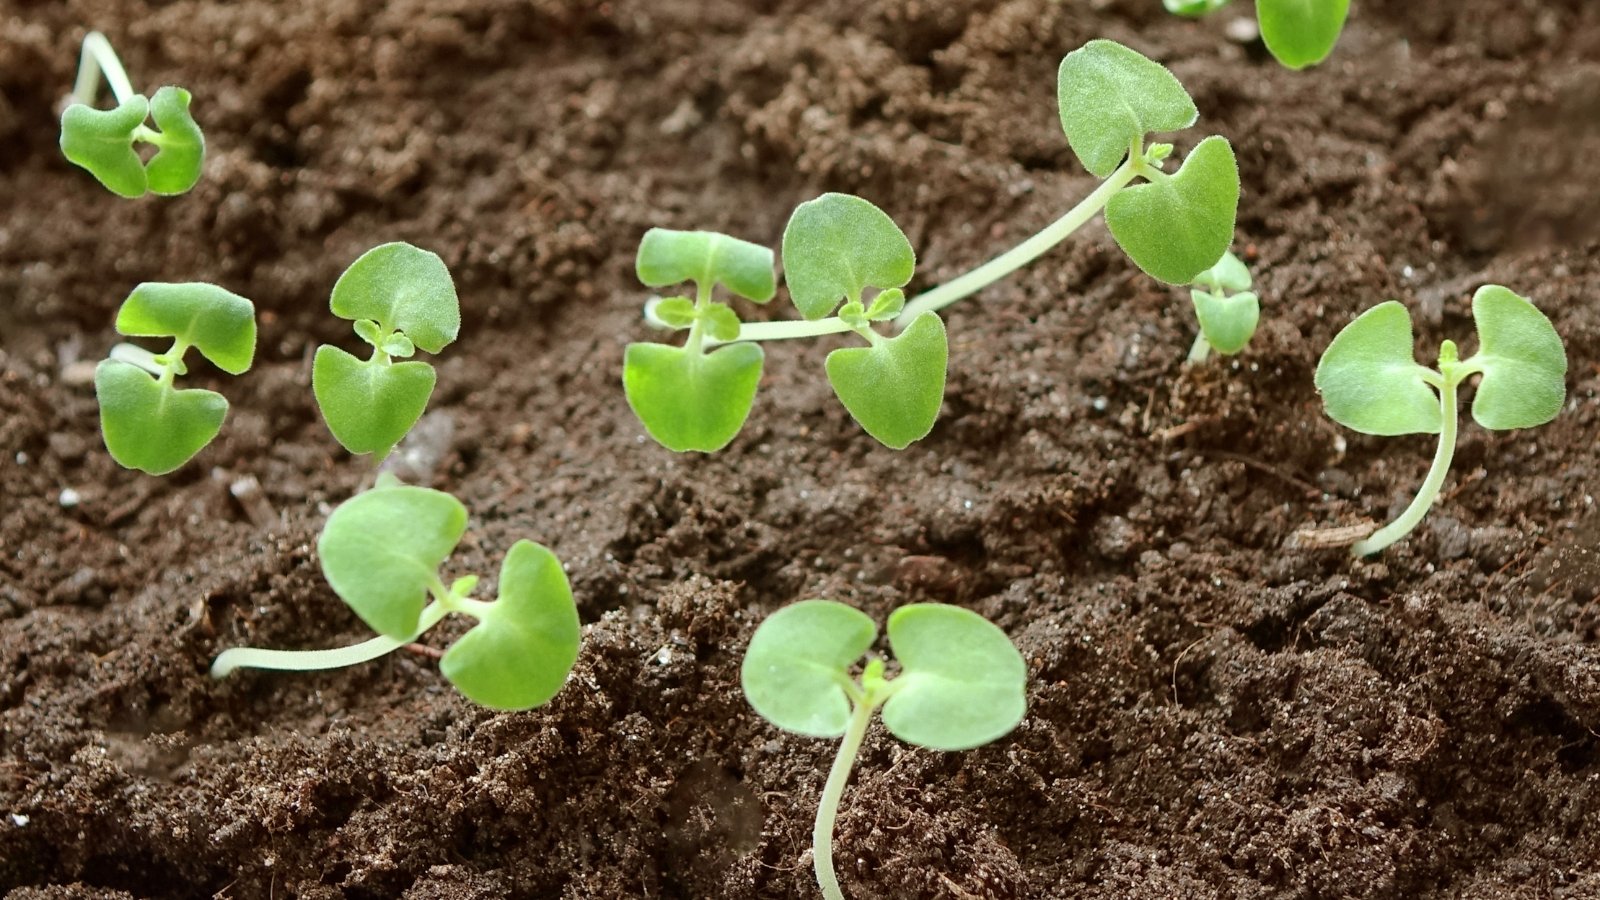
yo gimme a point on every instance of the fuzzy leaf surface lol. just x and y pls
(798, 663)
(894, 389)
(181, 147)
(369, 406)
(1370, 380)
(101, 140)
(217, 322)
(1177, 227)
(1228, 321)
(381, 551)
(1301, 33)
(1111, 96)
(689, 400)
(150, 426)
(837, 245)
(403, 288)
(1524, 365)
(962, 682)
(706, 258)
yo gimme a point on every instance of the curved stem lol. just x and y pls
(832, 792)
(98, 57)
(313, 660)
(786, 331)
(1200, 350)
(1429, 491)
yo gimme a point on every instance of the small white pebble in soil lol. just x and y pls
(664, 656)
(69, 498)
(1099, 404)
(22, 459)
(20, 820)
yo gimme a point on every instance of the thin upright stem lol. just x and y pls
(98, 57)
(1200, 350)
(832, 793)
(1429, 492)
(313, 660)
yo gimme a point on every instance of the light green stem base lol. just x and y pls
(832, 793)
(98, 57)
(314, 660)
(1431, 485)
(1200, 350)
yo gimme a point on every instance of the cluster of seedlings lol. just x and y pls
(958, 681)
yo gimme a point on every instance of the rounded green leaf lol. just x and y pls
(520, 652)
(1229, 275)
(1301, 33)
(1228, 322)
(674, 312)
(218, 323)
(369, 406)
(894, 388)
(706, 258)
(1179, 225)
(150, 426)
(1523, 363)
(797, 667)
(101, 140)
(1370, 380)
(381, 551)
(837, 245)
(181, 147)
(690, 400)
(887, 305)
(1111, 96)
(402, 288)
(962, 682)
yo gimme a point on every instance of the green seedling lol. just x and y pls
(148, 424)
(1227, 309)
(381, 552)
(1173, 225)
(103, 140)
(1193, 9)
(1298, 33)
(1371, 383)
(401, 299)
(961, 685)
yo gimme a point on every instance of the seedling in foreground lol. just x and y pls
(1370, 382)
(400, 298)
(1228, 311)
(1298, 33)
(1173, 226)
(102, 140)
(148, 424)
(962, 684)
(381, 552)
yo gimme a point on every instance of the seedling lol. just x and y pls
(961, 685)
(1228, 311)
(381, 552)
(148, 424)
(1172, 225)
(401, 298)
(1298, 33)
(102, 140)
(1371, 383)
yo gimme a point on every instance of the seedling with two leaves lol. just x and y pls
(103, 140)
(381, 552)
(962, 684)
(846, 264)
(1298, 33)
(1370, 382)
(1226, 307)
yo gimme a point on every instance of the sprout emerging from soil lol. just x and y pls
(962, 684)
(1298, 33)
(1370, 382)
(1227, 309)
(148, 424)
(381, 552)
(102, 140)
(401, 298)
(1174, 226)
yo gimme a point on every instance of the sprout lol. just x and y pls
(1228, 311)
(1371, 383)
(148, 424)
(401, 298)
(962, 684)
(1298, 33)
(102, 141)
(381, 552)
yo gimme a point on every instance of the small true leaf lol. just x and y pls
(962, 684)
(1227, 321)
(519, 653)
(677, 312)
(381, 551)
(181, 147)
(1111, 96)
(368, 331)
(399, 346)
(837, 245)
(1229, 275)
(886, 305)
(1178, 226)
(796, 669)
(1523, 363)
(894, 388)
(706, 258)
(218, 323)
(1371, 382)
(101, 140)
(689, 400)
(150, 426)
(722, 323)
(1301, 33)
(369, 406)
(402, 288)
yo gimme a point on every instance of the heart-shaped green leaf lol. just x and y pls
(837, 245)
(962, 684)
(403, 288)
(1179, 225)
(101, 140)
(1227, 321)
(150, 426)
(520, 652)
(689, 400)
(369, 406)
(1370, 380)
(381, 551)
(706, 258)
(218, 323)
(1111, 96)
(1301, 33)
(797, 668)
(181, 147)
(894, 388)
(1229, 275)
(1523, 363)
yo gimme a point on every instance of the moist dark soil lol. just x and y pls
(1218, 707)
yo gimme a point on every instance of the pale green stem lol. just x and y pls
(832, 793)
(1200, 350)
(313, 660)
(698, 339)
(1429, 492)
(98, 57)
(137, 356)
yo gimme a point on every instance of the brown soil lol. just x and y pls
(1213, 713)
